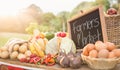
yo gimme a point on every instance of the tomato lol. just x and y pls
(61, 34)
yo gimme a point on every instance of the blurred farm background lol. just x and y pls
(32, 17)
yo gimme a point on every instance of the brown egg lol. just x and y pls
(104, 53)
(93, 53)
(117, 52)
(110, 46)
(85, 51)
(99, 45)
(111, 55)
(90, 47)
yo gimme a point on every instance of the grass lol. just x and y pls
(4, 37)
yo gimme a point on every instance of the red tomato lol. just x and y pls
(61, 34)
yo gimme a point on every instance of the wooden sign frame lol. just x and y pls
(102, 20)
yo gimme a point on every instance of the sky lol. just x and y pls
(11, 7)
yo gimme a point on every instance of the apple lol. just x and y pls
(111, 11)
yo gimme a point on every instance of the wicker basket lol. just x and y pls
(100, 63)
(113, 28)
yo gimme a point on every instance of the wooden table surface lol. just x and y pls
(43, 67)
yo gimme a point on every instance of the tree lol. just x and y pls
(31, 27)
(82, 6)
(119, 6)
(34, 12)
(115, 6)
(57, 23)
(53, 23)
(64, 16)
(47, 17)
(30, 14)
(104, 3)
(46, 24)
(118, 1)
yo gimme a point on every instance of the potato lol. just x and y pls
(16, 47)
(26, 44)
(4, 48)
(14, 55)
(4, 54)
(28, 53)
(22, 49)
(21, 55)
(0, 54)
(0, 49)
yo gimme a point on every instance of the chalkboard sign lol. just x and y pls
(87, 28)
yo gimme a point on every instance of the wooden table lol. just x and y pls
(43, 67)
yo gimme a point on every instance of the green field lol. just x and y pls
(4, 37)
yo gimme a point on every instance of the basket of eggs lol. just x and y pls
(101, 55)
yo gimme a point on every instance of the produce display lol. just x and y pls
(59, 50)
(40, 49)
